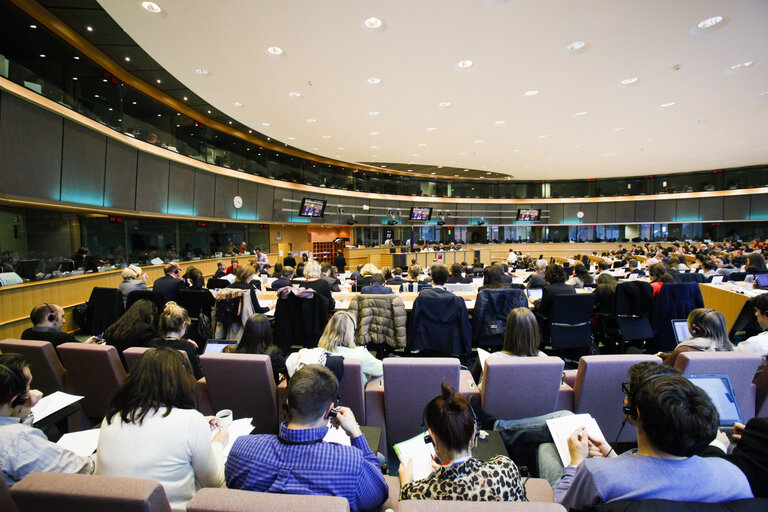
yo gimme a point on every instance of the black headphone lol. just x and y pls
(424, 427)
(20, 392)
(630, 407)
(52, 314)
(695, 327)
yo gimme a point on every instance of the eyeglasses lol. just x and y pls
(625, 387)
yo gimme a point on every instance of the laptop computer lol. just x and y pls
(680, 328)
(217, 346)
(534, 293)
(720, 390)
(762, 281)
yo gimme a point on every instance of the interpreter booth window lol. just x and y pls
(607, 233)
(581, 233)
(518, 233)
(659, 232)
(692, 231)
(492, 233)
(368, 236)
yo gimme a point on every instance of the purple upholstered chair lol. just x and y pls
(761, 396)
(740, 367)
(597, 391)
(521, 387)
(64, 492)
(243, 383)
(48, 373)
(231, 500)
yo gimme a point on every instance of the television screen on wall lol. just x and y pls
(421, 213)
(312, 207)
(529, 215)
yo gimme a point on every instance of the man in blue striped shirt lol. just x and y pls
(297, 461)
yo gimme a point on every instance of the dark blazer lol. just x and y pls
(332, 282)
(280, 282)
(544, 306)
(187, 347)
(169, 286)
(397, 280)
(537, 281)
(340, 262)
(640, 272)
(362, 282)
(219, 273)
(459, 279)
(376, 288)
(322, 288)
(289, 261)
(440, 323)
(55, 336)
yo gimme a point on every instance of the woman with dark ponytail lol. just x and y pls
(460, 477)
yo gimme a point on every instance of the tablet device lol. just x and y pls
(680, 328)
(720, 390)
(217, 346)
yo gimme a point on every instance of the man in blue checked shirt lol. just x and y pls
(297, 461)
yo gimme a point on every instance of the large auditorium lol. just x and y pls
(383, 256)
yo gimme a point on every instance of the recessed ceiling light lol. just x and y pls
(532, 92)
(74, 78)
(294, 94)
(575, 47)
(516, 150)
(340, 149)
(463, 153)
(201, 71)
(415, 155)
(33, 26)
(185, 98)
(431, 129)
(326, 136)
(382, 165)
(543, 136)
(250, 131)
(104, 80)
(465, 65)
(266, 124)
(580, 114)
(274, 51)
(127, 59)
(763, 94)
(444, 104)
(95, 95)
(466, 170)
(422, 145)
(151, 7)
(433, 173)
(89, 28)
(373, 133)
(499, 123)
(373, 113)
(410, 170)
(42, 55)
(628, 81)
(668, 105)
(375, 147)
(742, 66)
(710, 22)
(159, 81)
(237, 104)
(478, 141)
(456, 175)
(133, 103)
(374, 80)
(77, 58)
(374, 25)
(620, 129)
(229, 122)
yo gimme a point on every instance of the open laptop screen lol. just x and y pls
(217, 346)
(762, 280)
(680, 327)
(720, 390)
(535, 293)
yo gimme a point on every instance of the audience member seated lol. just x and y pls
(555, 277)
(244, 281)
(675, 420)
(505, 275)
(604, 267)
(459, 476)
(536, 280)
(300, 270)
(521, 339)
(153, 430)
(136, 328)
(476, 264)
(233, 266)
(221, 269)
(172, 326)
(24, 449)
(257, 339)
(759, 342)
(133, 280)
(8, 261)
(755, 264)
(456, 276)
(296, 461)
(277, 270)
(313, 273)
(659, 276)
(709, 269)
(708, 334)
(338, 339)
(170, 284)
(328, 274)
(47, 323)
(581, 277)
(750, 454)
(605, 302)
(634, 268)
(492, 278)
(377, 286)
(397, 277)
(354, 276)
(284, 279)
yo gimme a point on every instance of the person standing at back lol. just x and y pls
(170, 284)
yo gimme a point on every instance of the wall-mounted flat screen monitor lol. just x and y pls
(312, 207)
(529, 215)
(421, 213)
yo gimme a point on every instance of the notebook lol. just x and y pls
(720, 390)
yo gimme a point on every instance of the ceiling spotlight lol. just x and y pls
(373, 113)
(201, 71)
(619, 129)
(185, 98)
(628, 81)
(431, 129)
(580, 114)
(668, 105)
(531, 93)
(743, 66)
(311, 120)
(77, 58)
(373, 133)
(374, 25)
(326, 136)
(127, 59)
(89, 28)
(266, 124)
(151, 7)
(374, 147)
(465, 65)
(444, 104)
(710, 22)
(294, 94)
(237, 104)
(499, 123)
(543, 136)
(478, 141)
(580, 214)
(374, 80)
(575, 47)
(159, 81)
(42, 55)
(274, 51)
(422, 145)
(33, 26)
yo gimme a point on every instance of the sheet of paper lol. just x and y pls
(419, 452)
(237, 428)
(82, 443)
(482, 356)
(337, 435)
(562, 428)
(53, 403)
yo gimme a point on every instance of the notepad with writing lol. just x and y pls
(418, 451)
(562, 428)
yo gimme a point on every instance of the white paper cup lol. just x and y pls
(224, 417)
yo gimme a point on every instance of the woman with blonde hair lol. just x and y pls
(337, 339)
(172, 326)
(133, 280)
(313, 281)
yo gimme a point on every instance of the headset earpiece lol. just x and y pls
(52, 314)
(20, 393)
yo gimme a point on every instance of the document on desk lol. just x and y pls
(53, 403)
(267, 303)
(237, 428)
(562, 428)
(82, 443)
(419, 452)
(337, 435)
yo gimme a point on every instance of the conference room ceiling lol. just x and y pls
(699, 101)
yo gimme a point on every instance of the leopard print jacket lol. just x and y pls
(495, 480)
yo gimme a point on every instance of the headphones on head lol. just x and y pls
(696, 329)
(424, 427)
(630, 406)
(20, 391)
(52, 314)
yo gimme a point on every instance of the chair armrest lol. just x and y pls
(538, 489)
(393, 501)
(569, 377)
(467, 386)
(282, 396)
